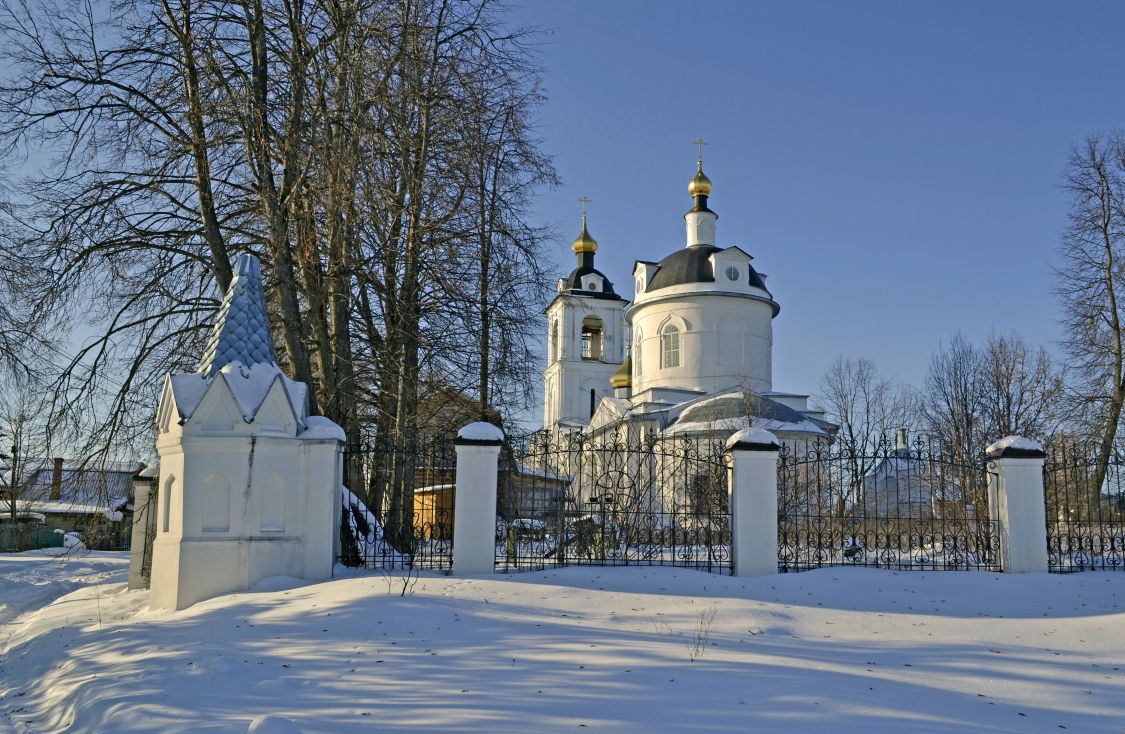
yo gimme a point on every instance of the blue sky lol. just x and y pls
(893, 167)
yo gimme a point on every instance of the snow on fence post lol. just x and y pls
(1016, 503)
(752, 472)
(474, 500)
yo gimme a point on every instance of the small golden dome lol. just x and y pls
(623, 375)
(584, 243)
(700, 185)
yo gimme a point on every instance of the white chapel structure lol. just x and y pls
(690, 355)
(249, 481)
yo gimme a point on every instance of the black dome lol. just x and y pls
(692, 265)
(574, 283)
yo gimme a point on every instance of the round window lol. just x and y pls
(640, 285)
(732, 273)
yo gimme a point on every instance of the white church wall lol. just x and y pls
(707, 361)
(568, 379)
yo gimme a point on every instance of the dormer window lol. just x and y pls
(732, 273)
(592, 283)
(591, 338)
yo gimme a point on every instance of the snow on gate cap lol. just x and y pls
(753, 439)
(480, 433)
(1015, 447)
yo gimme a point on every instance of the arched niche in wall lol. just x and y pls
(168, 493)
(273, 504)
(214, 509)
(731, 338)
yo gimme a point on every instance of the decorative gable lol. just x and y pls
(275, 414)
(217, 412)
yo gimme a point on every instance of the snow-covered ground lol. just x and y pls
(610, 650)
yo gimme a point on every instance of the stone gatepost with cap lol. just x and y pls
(474, 508)
(752, 472)
(1016, 503)
(249, 482)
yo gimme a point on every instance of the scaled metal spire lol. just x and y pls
(242, 330)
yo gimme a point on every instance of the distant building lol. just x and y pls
(691, 356)
(91, 498)
(908, 486)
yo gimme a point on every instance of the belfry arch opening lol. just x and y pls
(592, 338)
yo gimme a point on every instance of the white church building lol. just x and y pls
(691, 355)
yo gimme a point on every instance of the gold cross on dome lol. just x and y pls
(699, 142)
(584, 202)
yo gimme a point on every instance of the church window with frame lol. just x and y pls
(592, 338)
(670, 347)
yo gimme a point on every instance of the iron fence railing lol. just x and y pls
(915, 506)
(1084, 493)
(399, 514)
(614, 500)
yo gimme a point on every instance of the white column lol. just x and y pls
(1016, 504)
(753, 501)
(474, 509)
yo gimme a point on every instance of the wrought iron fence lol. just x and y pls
(1084, 493)
(574, 499)
(145, 515)
(885, 505)
(399, 514)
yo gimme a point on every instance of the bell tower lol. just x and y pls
(585, 339)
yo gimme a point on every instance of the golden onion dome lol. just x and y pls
(623, 375)
(584, 243)
(700, 185)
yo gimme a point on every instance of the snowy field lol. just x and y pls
(608, 650)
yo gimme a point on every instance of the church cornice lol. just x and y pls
(582, 296)
(697, 294)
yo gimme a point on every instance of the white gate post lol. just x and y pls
(752, 485)
(474, 499)
(1016, 503)
(144, 523)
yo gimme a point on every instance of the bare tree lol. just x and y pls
(22, 443)
(1021, 392)
(952, 404)
(1091, 287)
(869, 409)
(378, 155)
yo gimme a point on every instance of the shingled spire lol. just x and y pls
(242, 331)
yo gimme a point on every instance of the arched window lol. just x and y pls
(637, 341)
(591, 338)
(670, 347)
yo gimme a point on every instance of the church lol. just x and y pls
(689, 356)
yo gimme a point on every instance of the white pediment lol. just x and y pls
(275, 413)
(166, 408)
(217, 412)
